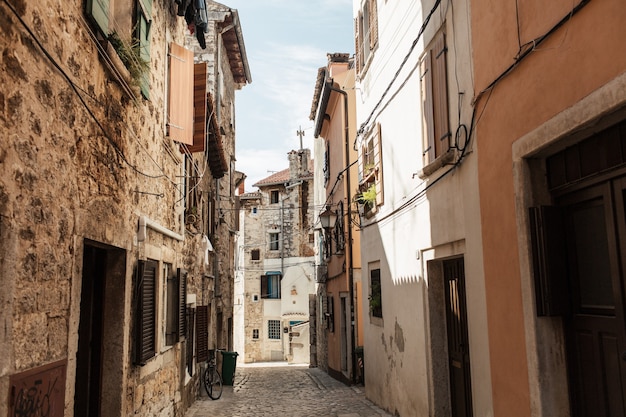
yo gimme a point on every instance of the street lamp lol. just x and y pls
(328, 218)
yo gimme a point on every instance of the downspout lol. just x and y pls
(350, 246)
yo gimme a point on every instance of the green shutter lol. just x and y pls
(98, 11)
(144, 21)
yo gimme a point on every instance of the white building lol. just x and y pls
(425, 339)
(275, 266)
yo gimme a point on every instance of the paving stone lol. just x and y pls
(286, 391)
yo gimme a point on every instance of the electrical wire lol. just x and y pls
(362, 128)
(77, 91)
(531, 46)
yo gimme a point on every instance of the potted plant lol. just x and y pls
(130, 55)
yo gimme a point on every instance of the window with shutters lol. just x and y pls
(202, 333)
(125, 24)
(175, 311)
(365, 34)
(434, 99)
(270, 285)
(338, 232)
(371, 190)
(181, 94)
(145, 311)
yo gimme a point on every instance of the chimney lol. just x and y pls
(338, 63)
(299, 164)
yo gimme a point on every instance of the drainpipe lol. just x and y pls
(349, 213)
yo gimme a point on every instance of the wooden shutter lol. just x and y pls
(200, 108)
(182, 303)
(98, 12)
(144, 21)
(264, 286)
(373, 24)
(145, 340)
(428, 130)
(378, 163)
(547, 234)
(180, 121)
(202, 333)
(189, 344)
(358, 57)
(440, 94)
(171, 318)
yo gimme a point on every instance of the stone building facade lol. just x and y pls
(275, 265)
(116, 235)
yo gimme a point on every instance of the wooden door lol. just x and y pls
(458, 340)
(89, 355)
(595, 237)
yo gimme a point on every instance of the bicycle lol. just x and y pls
(211, 378)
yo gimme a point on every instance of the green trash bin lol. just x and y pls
(229, 363)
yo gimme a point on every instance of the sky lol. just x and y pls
(286, 42)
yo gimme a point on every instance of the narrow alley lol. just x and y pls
(289, 390)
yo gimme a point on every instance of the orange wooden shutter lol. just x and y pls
(181, 94)
(373, 24)
(428, 131)
(440, 95)
(199, 108)
(357, 46)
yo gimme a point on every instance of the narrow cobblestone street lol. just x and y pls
(287, 391)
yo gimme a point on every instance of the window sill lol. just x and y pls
(376, 321)
(445, 159)
(119, 72)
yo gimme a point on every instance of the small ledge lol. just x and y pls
(431, 168)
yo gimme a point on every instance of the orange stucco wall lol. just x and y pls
(584, 54)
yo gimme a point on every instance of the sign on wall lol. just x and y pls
(38, 392)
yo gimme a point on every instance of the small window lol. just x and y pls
(255, 333)
(254, 210)
(255, 254)
(270, 285)
(274, 241)
(274, 196)
(375, 298)
(273, 329)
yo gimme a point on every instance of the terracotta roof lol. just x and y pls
(283, 176)
(279, 177)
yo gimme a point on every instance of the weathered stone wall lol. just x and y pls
(81, 159)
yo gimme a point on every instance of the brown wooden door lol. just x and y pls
(458, 341)
(595, 231)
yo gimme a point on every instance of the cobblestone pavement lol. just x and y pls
(286, 391)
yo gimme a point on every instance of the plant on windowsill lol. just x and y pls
(375, 302)
(367, 197)
(130, 55)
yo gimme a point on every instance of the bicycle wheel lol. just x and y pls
(213, 383)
